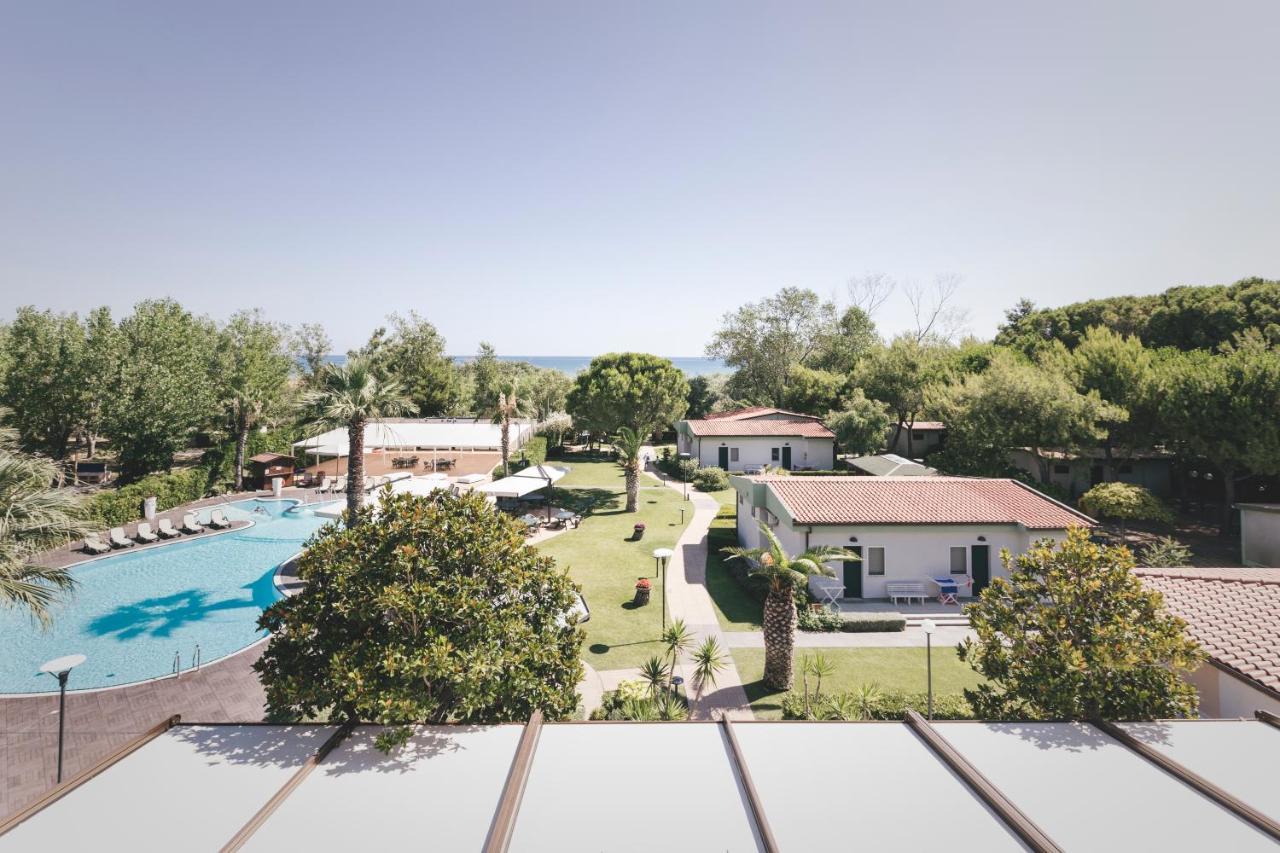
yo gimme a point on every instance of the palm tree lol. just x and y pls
(628, 444)
(783, 572)
(351, 395)
(33, 518)
(708, 661)
(507, 407)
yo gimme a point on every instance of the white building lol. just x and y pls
(1259, 534)
(903, 528)
(1234, 614)
(427, 434)
(752, 438)
(917, 439)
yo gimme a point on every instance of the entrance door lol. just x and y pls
(980, 559)
(723, 459)
(853, 575)
(786, 458)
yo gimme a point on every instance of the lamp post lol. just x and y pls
(660, 557)
(60, 668)
(927, 626)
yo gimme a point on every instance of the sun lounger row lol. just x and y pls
(145, 535)
(331, 484)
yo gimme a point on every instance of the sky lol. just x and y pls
(577, 178)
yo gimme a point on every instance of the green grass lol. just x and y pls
(736, 609)
(599, 556)
(890, 669)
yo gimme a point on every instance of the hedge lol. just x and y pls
(123, 505)
(888, 705)
(851, 623)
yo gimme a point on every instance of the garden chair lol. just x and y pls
(166, 529)
(190, 525)
(94, 545)
(145, 534)
(118, 539)
(218, 520)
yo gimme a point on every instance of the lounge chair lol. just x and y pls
(118, 539)
(190, 525)
(145, 533)
(218, 520)
(339, 485)
(324, 484)
(166, 529)
(94, 545)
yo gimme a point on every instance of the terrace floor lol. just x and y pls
(378, 463)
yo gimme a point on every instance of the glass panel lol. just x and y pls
(875, 561)
(959, 561)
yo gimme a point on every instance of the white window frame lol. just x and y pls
(951, 564)
(884, 560)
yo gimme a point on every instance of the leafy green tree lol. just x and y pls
(1072, 634)
(900, 376)
(635, 390)
(1014, 404)
(36, 516)
(311, 345)
(628, 445)
(45, 384)
(1124, 502)
(812, 392)
(486, 375)
(254, 367)
(546, 391)
(412, 355)
(704, 396)
(852, 338)
(437, 613)
(1166, 552)
(861, 426)
(764, 340)
(783, 572)
(1222, 408)
(350, 396)
(164, 389)
(101, 366)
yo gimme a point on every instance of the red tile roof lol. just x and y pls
(1233, 613)
(791, 427)
(927, 425)
(736, 414)
(920, 500)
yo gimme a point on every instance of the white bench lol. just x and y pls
(905, 589)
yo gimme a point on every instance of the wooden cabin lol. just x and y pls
(266, 466)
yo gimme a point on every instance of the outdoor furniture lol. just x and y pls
(94, 545)
(947, 590)
(166, 529)
(324, 484)
(339, 485)
(145, 533)
(190, 525)
(828, 591)
(118, 539)
(905, 589)
(218, 519)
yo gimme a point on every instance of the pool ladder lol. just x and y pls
(177, 661)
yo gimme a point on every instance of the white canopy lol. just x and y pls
(430, 434)
(523, 482)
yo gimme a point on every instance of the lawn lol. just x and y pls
(890, 669)
(601, 558)
(736, 609)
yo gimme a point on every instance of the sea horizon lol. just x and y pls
(573, 364)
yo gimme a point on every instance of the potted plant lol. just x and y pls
(643, 589)
(638, 532)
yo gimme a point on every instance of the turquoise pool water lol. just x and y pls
(132, 611)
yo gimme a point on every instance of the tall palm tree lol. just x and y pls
(507, 407)
(33, 517)
(783, 572)
(351, 395)
(628, 445)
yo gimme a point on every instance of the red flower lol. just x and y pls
(643, 583)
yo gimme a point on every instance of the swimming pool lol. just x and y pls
(132, 612)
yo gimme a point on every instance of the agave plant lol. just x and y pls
(783, 571)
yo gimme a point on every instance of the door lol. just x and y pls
(980, 560)
(786, 458)
(853, 575)
(723, 459)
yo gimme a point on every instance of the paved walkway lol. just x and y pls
(910, 638)
(688, 599)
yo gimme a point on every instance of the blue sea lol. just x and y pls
(572, 364)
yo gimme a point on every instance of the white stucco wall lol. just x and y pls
(758, 450)
(1260, 535)
(922, 441)
(1223, 694)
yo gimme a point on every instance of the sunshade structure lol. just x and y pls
(524, 482)
(1187, 785)
(402, 483)
(428, 434)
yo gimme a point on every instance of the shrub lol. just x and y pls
(1166, 552)
(633, 700)
(123, 505)
(876, 704)
(685, 469)
(710, 479)
(866, 623)
(819, 620)
(1125, 502)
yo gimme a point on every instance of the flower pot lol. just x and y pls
(638, 532)
(642, 596)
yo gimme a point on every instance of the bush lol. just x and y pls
(685, 469)
(875, 704)
(634, 701)
(1166, 552)
(819, 620)
(123, 505)
(1125, 502)
(710, 479)
(866, 623)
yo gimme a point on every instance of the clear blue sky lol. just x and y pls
(571, 178)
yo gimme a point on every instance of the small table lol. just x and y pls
(947, 590)
(831, 596)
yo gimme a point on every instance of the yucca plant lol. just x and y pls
(678, 639)
(708, 662)
(783, 571)
(655, 673)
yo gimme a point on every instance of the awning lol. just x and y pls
(524, 482)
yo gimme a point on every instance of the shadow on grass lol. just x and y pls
(764, 699)
(734, 601)
(587, 501)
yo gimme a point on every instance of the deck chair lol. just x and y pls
(166, 529)
(339, 485)
(324, 484)
(145, 534)
(218, 520)
(94, 545)
(118, 539)
(190, 525)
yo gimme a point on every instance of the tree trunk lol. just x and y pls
(506, 444)
(355, 468)
(1042, 463)
(1228, 501)
(1108, 464)
(897, 434)
(779, 639)
(632, 472)
(910, 429)
(242, 442)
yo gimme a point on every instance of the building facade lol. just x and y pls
(756, 438)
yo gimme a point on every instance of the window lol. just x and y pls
(1061, 469)
(875, 561)
(733, 454)
(774, 453)
(959, 559)
(917, 436)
